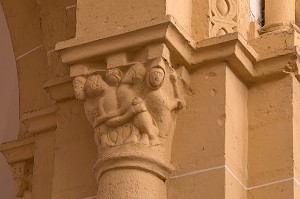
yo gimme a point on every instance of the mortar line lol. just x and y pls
(297, 181)
(235, 177)
(93, 197)
(30, 51)
(271, 183)
(50, 51)
(72, 6)
(221, 167)
(196, 172)
(258, 186)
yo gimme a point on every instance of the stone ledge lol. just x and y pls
(19, 150)
(250, 60)
(60, 88)
(40, 120)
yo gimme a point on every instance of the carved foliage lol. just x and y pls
(223, 17)
(135, 103)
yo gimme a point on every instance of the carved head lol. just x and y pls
(95, 86)
(156, 76)
(113, 77)
(135, 74)
(78, 85)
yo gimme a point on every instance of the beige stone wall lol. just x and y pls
(35, 28)
(237, 83)
(204, 140)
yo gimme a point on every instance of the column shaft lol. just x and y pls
(279, 11)
(131, 183)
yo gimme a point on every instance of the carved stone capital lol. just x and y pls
(131, 99)
(22, 175)
(19, 155)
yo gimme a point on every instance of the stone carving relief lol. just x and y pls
(131, 104)
(22, 175)
(223, 17)
(132, 100)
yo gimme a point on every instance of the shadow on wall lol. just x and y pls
(9, 105)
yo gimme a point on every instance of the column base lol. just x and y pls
(273, 27)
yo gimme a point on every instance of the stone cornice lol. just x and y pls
(17, 151)
(251, 60)
(40, 121)
(60, 88)
(85, 48)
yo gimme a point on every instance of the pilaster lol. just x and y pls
(33, 155)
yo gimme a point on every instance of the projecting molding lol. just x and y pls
(41, 120)
(251, 60)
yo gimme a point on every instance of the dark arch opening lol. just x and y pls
(9, 104)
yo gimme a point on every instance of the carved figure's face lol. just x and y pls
(135, 74)
(156, 77)
(78, 85)
(95, 86)
(113, 77)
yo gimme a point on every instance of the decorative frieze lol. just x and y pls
(222, 17)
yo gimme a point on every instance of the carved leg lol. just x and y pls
(144, 139)
(144, 123)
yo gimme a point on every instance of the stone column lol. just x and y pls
(279, 14)
(131, 100)
(132, 87)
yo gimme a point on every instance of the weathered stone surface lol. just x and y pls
(145, 72)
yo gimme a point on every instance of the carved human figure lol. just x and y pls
(99, 98)
(109, 103)
(132, 107)
(118, 101)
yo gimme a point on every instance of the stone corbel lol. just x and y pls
(19, 155)
(22, 175)
(132, 99)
